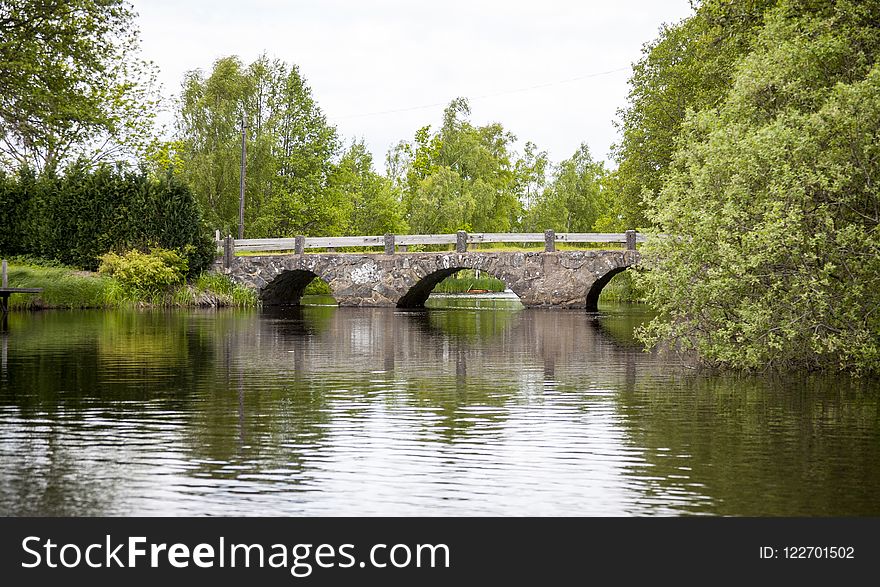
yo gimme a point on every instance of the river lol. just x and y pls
(471, 407)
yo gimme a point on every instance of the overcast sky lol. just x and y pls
(551, 71)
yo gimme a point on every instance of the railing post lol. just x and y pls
(461, 241)
(389, 243)
(630, 240)
(550, 240)
(228, 252)
(299, 244)
(5, 278)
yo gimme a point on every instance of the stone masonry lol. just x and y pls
(563, 279)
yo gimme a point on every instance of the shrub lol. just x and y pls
(151, 273)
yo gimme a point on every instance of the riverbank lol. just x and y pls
(67, 288)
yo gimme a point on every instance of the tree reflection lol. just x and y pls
(100, 411)
(760, 446)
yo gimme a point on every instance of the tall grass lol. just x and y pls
(226, 292)
(62, 288)
(466, 280)
(67, 288)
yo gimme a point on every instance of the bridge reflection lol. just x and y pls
(325, 410)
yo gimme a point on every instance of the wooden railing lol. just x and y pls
(399, 242)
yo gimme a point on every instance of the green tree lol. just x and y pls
(76, 216)
(575, 200)
(290, 149)
(16, 190)
(458, 178)
(368, 199)
(689, 67)
(772, 206)
(71, 85)
(531, 174)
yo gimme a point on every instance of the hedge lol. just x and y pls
(85, 212)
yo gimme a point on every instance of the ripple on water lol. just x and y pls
(343, 411)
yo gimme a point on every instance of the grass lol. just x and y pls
(621, 288)
(222, 286)
(67, 288)
(466, 280)
(62, 288)
(318, 287)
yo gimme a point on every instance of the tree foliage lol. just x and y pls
(689, 67)
(87, 211)
(369, 202)
(575, 200)
(772, 205)
(71, 85)
(531, 171)
(468, 177)
(460, 177)
(290, 149)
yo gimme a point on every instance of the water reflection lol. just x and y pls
(761, 446)
(452, 410)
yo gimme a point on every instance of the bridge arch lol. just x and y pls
(597, 286)
(417, 294)
(287, 288)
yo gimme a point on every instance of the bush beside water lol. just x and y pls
(148, 273)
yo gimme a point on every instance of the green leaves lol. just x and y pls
(461, 177)
(689, 67)
(71, 85)
(87, 212)
(145, 273)
(290, 149)
(369, 202)
(575, 200)
(466, 177)
(771, 199)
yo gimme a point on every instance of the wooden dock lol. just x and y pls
(6, 291)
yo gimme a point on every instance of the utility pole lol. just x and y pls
(241, 182)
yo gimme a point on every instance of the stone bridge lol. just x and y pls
(564, 279)
(548, 278)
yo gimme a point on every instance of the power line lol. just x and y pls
(490, 95)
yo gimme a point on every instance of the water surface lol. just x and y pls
(471, 407)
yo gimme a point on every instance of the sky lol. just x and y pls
(553, 72)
